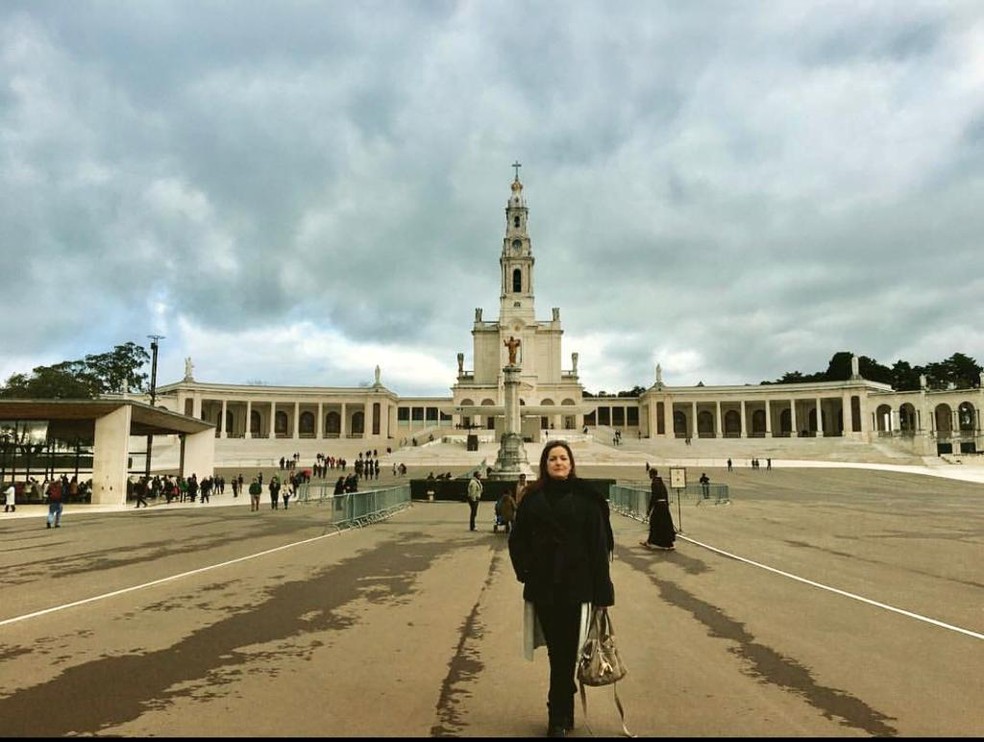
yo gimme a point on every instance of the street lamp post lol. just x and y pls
(154, 344)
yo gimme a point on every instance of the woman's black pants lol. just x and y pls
(561, 623)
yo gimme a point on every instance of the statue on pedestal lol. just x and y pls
(512, 343)
(189, 369)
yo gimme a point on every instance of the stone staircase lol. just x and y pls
(448, 450)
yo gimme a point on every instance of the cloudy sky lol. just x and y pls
(295, 192)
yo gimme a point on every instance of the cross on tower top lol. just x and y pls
(517, 165)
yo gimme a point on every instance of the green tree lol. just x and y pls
(114, 372)
(874, 371)
(839, 368)
(62, 381)
(119, 370)
(905, 378)
(958, 370)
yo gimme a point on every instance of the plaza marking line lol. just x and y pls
(875, 603)
(161, 581)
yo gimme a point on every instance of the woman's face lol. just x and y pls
(558, 463)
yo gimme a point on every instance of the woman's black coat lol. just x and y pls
(559, 546)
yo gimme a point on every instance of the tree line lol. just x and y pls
(116, 372)
(120, 371)
(959, 371)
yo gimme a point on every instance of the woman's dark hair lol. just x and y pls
(544, 475)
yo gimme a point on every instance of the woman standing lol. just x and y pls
(662, 534)
(560, 548)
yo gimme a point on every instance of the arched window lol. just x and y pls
(907, 418)
(358, 422)
(517, 281)
(680, 424)
(254, 422)
(306, 423)
(965, 417)
(516, 222)
(280, 423)
(333, 423)
(758, 421)
(883, 418)
(786, 422)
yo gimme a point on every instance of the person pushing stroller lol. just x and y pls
(505, 511)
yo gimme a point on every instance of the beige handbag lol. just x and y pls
(599, 662)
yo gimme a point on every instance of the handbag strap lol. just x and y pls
(601, 617)
(618, 705)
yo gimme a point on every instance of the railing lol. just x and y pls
(632, 500)
(355, 508)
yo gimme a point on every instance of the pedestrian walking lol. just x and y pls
(255, 490)
(474, 496)
(560, 548)
(55, 495)
(662, 533)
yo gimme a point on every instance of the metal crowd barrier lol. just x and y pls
(632, 500)
(355, 508)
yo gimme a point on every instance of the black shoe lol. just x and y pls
(48, 524)
(556, 730)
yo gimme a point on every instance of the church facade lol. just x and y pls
(552, 398)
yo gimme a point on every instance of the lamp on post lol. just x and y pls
(154, 344)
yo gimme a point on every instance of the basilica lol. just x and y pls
(552, 399)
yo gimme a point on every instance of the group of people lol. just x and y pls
(279, 490)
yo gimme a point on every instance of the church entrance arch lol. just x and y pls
(489, 419)
(570, 421)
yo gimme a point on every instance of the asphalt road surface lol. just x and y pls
(820, 602)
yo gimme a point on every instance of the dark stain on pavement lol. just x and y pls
(465, 666)
(206, 659)
(765, 662)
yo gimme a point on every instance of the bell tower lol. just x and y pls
(516, 261)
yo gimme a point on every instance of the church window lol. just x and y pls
(516, 222)
(280, 423)
(517, 281)
(306, 424)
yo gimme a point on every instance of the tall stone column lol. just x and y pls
(511, 460)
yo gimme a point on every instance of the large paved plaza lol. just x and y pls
(820, 602)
